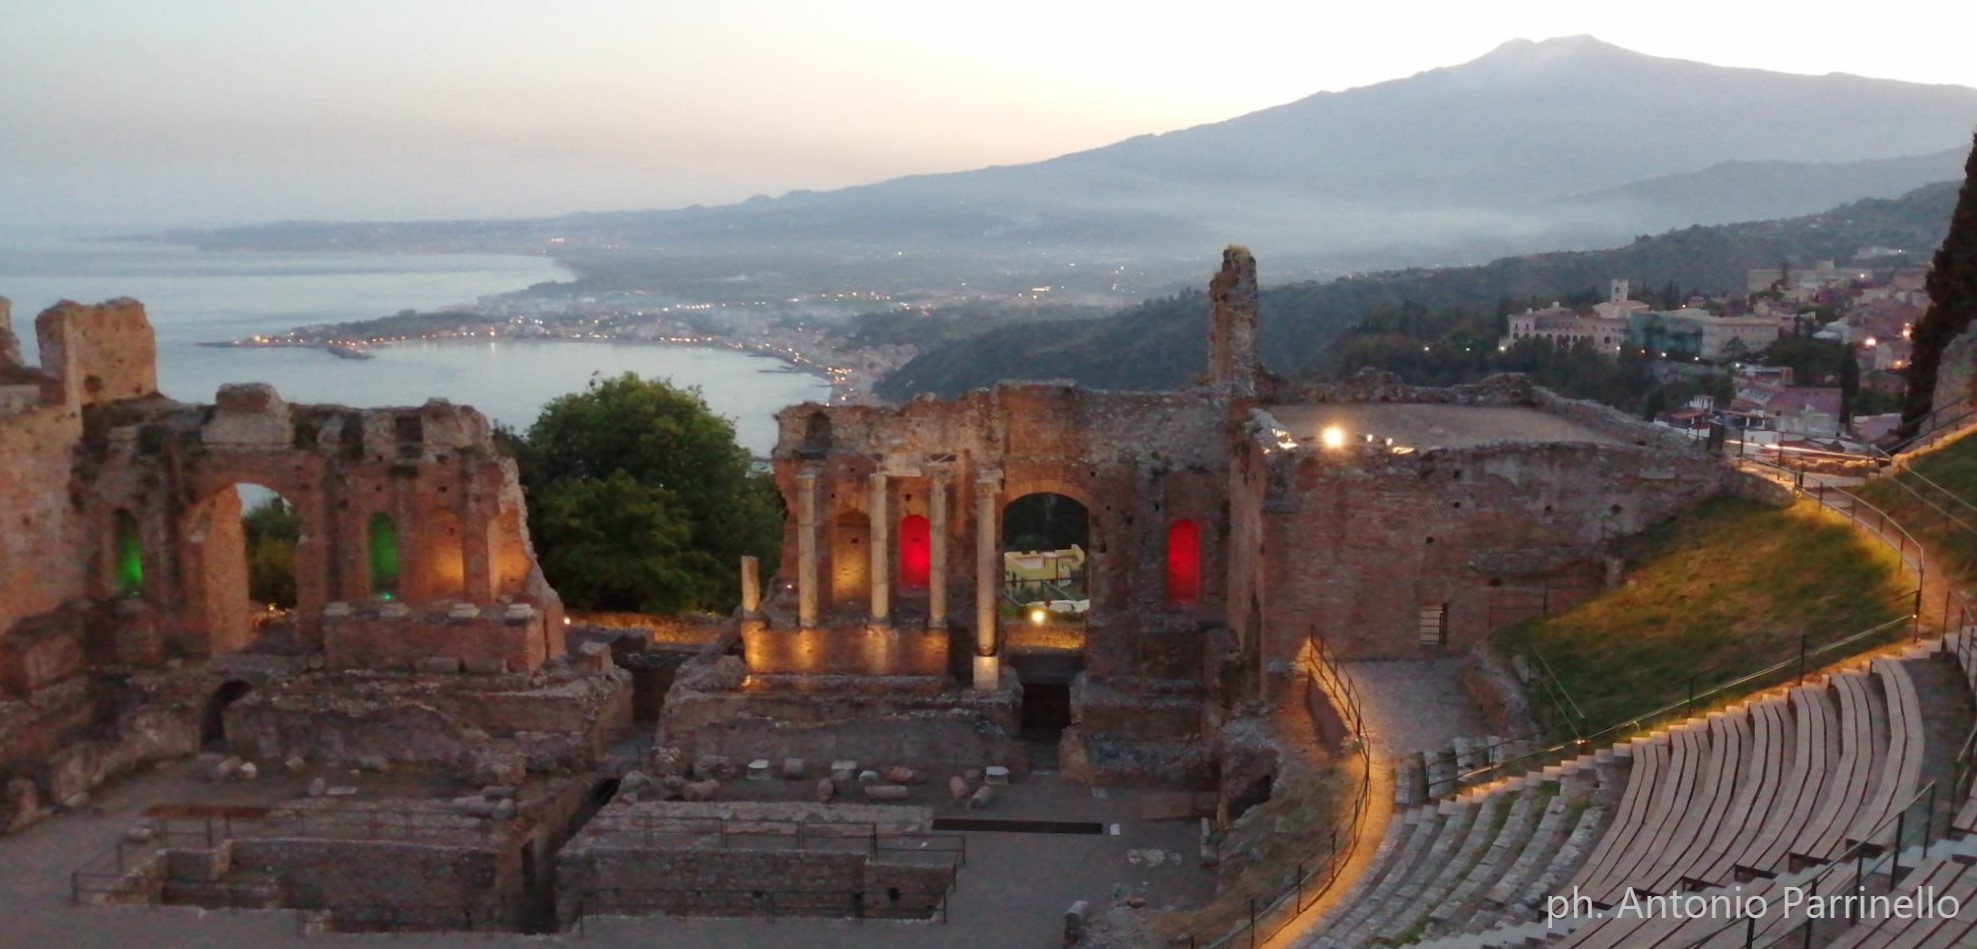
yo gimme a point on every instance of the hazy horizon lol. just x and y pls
(209, 112)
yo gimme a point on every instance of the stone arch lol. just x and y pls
(212, 722)
(817, 438)
(851, 559)
(1055, 531)
(221, 614)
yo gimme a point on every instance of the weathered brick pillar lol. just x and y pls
(806, 548)
(937, 554)
(988, 570)
(881, 552)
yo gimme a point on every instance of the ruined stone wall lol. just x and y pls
(1360, 540)
(100, 353)
(453, 504)
(1137, 461)
(458, 886)
(452, 722)
(640, 858)
(879, 728)
(1956, 376)
(42, 560)
(487, 640)
(76, 734)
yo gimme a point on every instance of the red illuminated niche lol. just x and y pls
(1183, 562)
(914, 553)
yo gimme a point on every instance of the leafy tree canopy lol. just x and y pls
(271, 529)
(1952, 298)
(640, 499)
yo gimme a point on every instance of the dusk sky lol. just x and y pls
(223, 111)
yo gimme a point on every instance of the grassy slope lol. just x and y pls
(1719, 593)
(1932, 518)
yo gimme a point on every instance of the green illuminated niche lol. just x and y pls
(129, 556)
(384, 557)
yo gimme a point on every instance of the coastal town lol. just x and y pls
(813, 333)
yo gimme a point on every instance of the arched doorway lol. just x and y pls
(213, 725)
(242, 585)
(851, 559)
(1045, 591)
(1045, 542)
(915, 552)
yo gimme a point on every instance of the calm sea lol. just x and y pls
(194, 296)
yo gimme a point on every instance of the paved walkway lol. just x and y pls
(1409, 706)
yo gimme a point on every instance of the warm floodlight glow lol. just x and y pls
(1037, 616)
(1870, 342)
(1332, 437)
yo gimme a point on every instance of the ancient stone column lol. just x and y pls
(751, 586)
(881, 552)
(988, 573)
(937, 554)
(806, 548)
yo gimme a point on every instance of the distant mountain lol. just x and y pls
(1162, 343)
(1565, 142)
(1761, 190)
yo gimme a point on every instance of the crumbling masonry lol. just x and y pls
(1228, 522)
(126, 630)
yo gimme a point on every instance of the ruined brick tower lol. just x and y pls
(1232, 365)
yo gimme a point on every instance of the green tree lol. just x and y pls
(640, 499)
(271, 530)
(1952, 299)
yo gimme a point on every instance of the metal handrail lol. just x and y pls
(1323, 670)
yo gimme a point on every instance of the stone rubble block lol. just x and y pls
(438, 666)
(886, 792)
(485, 666)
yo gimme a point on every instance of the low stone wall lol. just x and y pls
(947, 733)
(422, 884)
(563, 724)
(613, 868)
(60, 745)
(492, 638)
